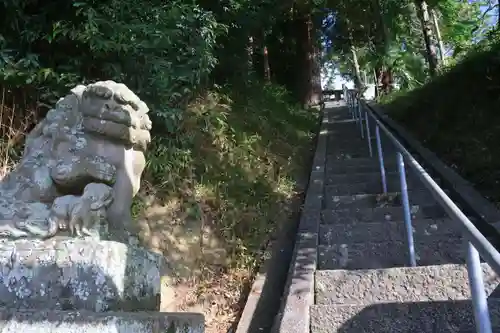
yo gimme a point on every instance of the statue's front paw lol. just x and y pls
(62, 225)
(86, 232)
(75, 227)
(55, 224)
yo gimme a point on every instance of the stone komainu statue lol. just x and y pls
(96, 135)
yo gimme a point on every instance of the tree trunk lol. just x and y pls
(376, 74)
(428, 37)
(357, 72)
(383, 81)
(383, 36)
(281, 45)
(387, 81)
(316, 95)
(438, 36)
(309, 85)
(267, 69)
(498, 14)
(250, 47)
(260, 57)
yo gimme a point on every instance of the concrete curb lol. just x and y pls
(264, 299)
(254, 296)
(299, 291)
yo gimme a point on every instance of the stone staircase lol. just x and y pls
(352, 275)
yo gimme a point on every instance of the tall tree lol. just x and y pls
(430, 44)
(435, 23)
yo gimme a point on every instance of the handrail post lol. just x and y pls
(368, 135)
(347, 99)
(351, 105)
(353, 114)
(353, 108)
(381, 158)
(479, 299)
(360, 114)
(355, 111)
(406, 208)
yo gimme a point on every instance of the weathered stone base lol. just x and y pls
(76, 274)
(88, 322)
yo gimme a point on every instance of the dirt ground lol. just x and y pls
(196, 279)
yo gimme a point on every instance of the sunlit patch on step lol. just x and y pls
(433, 228)
(344, 255)
(323, 132)
(387, 199)
(343, 156)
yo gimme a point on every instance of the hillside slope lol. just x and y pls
(457, 115)
(216, 191)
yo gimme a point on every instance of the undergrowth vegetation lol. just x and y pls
(225, 181)
(234, 159)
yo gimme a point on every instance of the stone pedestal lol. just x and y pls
(75, 274)
(43, 321)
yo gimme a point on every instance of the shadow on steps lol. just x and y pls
(417, 317)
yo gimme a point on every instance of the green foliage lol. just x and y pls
(388, 35)
(461, 23)
(456, 114)
(163, 50)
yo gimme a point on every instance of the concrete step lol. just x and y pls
(360, 201)
(342, 128)
(339, 116)
(373, 187)
(43, 321)
(350, 166)
(346, 159)
(404, 284)
(356, 178)
(357, 150)
(346, 138)
(379, 214)
(346, 144)
(421, 317)
(372, 255)
(383, 231)
(344, 120)
(392, 177)
(340, 155)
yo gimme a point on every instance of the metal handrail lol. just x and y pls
(477, 243)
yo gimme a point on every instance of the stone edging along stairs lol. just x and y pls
(349, 273)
